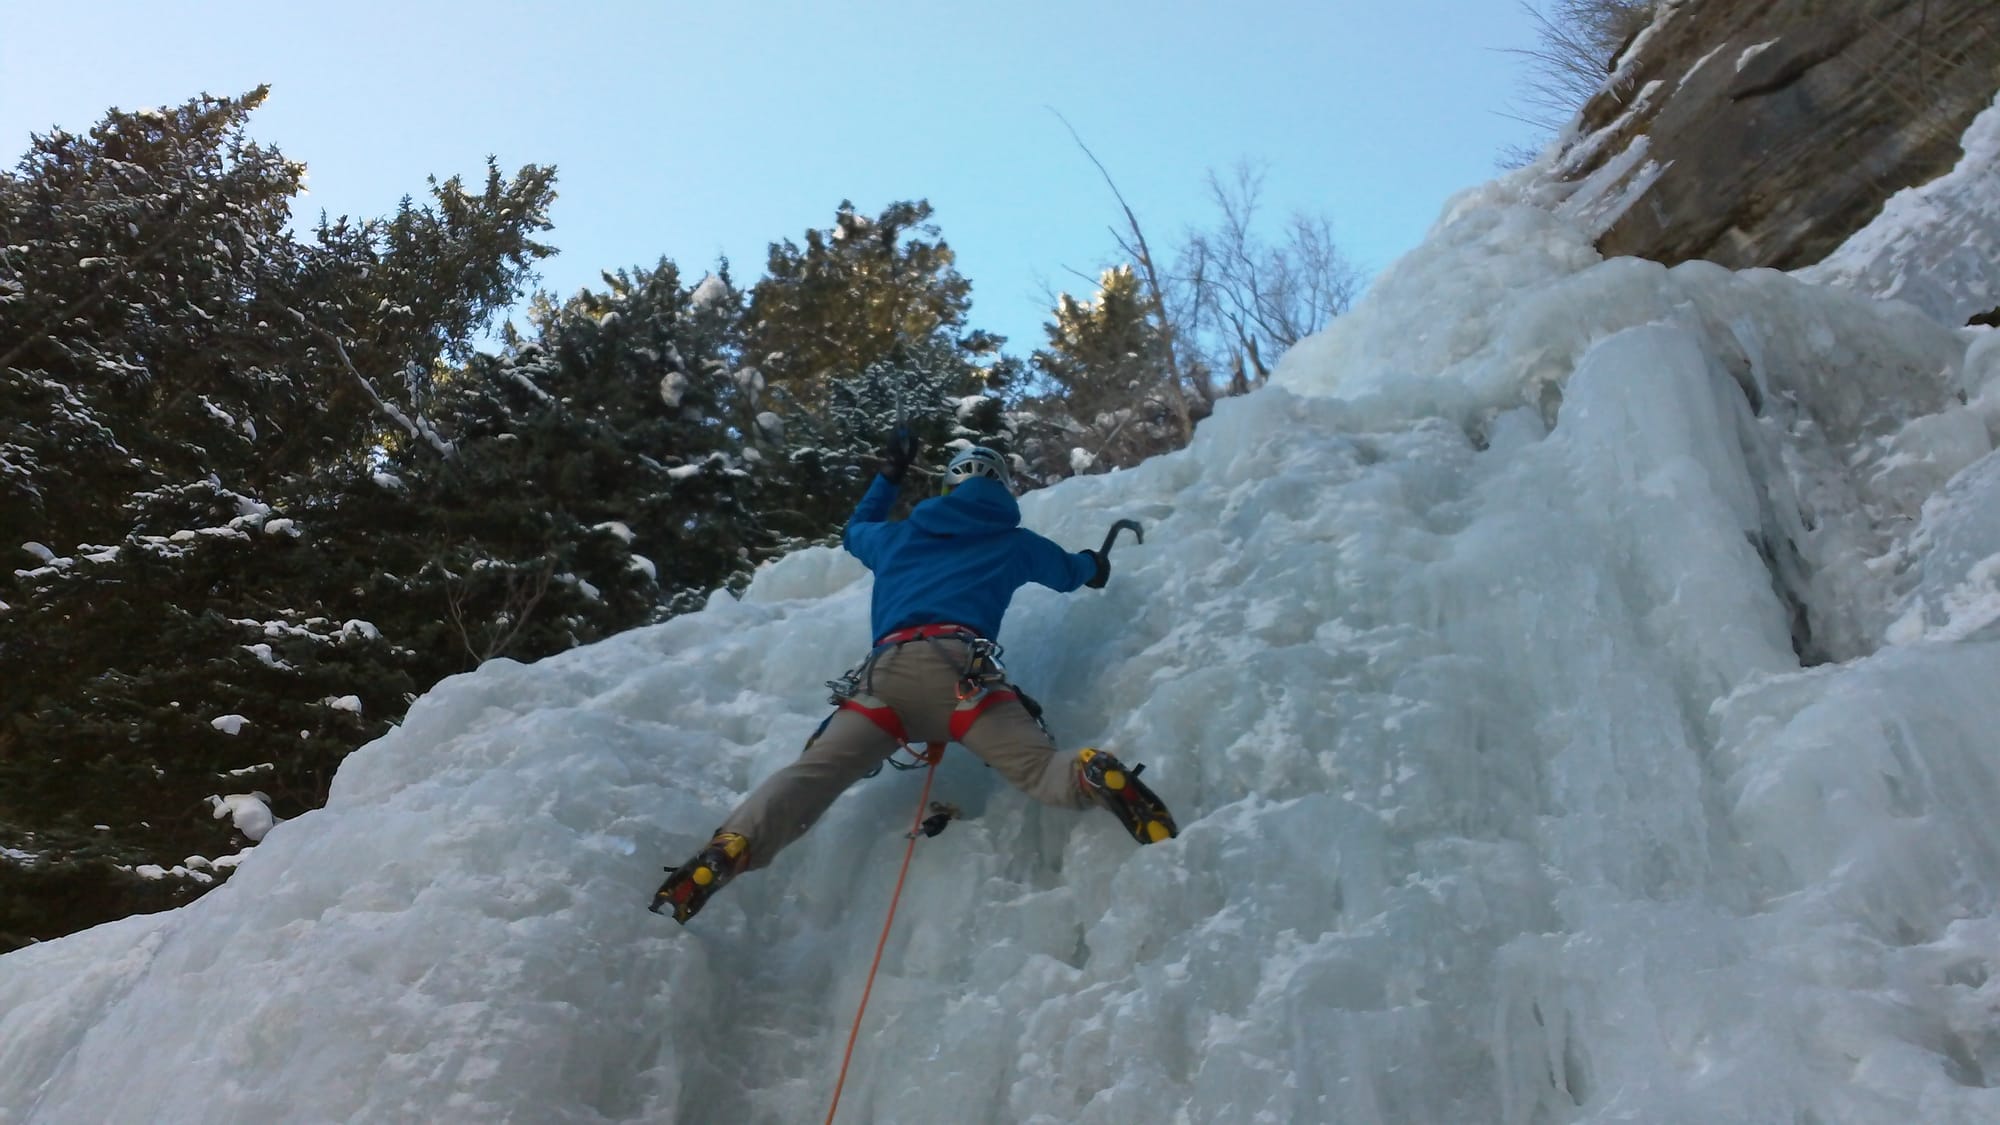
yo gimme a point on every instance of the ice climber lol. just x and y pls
(943, 579)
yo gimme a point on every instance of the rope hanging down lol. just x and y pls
(932, 755)
(920, 826)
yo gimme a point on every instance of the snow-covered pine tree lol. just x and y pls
(608, 447)
(190, 404)
(137, 330)
(831, 453)
(1104, 383)
(853, 295)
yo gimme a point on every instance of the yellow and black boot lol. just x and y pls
(1119, 789)
(688, 886)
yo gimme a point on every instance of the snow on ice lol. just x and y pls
(1575, 679)
(1936, 246)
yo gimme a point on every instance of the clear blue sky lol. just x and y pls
(691, 130)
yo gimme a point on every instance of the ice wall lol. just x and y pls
(1571, 677)
(1936, 245)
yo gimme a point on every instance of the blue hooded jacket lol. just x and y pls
(957, 559)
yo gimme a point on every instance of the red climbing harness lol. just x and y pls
(982, 681)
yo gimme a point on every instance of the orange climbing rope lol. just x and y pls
(932, 754)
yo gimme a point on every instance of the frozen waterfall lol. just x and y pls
(1577, 681)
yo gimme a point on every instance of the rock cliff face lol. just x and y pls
(1765, 132)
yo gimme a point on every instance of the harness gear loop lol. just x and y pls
(932, 754)
(982, 664)
(982, 683)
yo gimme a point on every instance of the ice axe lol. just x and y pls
(1111, 536)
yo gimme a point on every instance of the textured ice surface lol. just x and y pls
(1936, 245)
(1564, 675)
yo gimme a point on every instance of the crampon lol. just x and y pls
(1119, 789)
(688, 886)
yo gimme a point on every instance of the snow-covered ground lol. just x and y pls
(1576, 681)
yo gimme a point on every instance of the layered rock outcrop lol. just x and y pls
(1765, 132)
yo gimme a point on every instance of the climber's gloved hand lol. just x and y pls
(1103, 575)
(899, 453)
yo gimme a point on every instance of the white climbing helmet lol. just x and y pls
(976, 461)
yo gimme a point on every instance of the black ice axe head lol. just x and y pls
(1111, 536)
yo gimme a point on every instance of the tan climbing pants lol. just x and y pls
(919, 681)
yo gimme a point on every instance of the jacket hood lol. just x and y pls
(980, 506)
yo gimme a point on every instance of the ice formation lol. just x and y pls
(1576, 680)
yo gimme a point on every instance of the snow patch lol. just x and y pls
(1937, 245)
(266, 656)
(673, 388)
(1752, 52)
(1698, 64)
(249, 813)
(359, 630)
(709, 292)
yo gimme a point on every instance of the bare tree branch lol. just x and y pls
(524, 593)
(1132, 370)
(1578, 42)
(1142, 255)
(418, 428)
(1249, 299)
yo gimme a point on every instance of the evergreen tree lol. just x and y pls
(933, 388)
(267, 491)
(612, 447)
(853, 295)
(191, 401)
(1129, 373)
(142, 331)
(1107, 376)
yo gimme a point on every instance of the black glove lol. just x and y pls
(897, 455)
(1103, 575)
